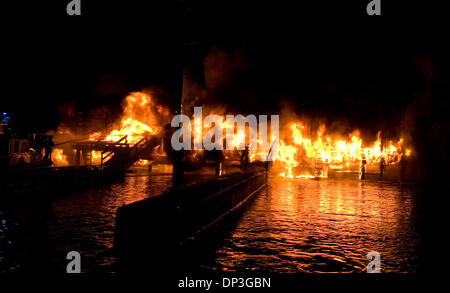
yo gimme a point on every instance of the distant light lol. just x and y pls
(4, 118)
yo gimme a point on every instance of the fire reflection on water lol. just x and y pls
(292, 226)
(322, 226)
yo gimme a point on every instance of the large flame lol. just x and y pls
(141, 117)
(334, 154)
(58, 158)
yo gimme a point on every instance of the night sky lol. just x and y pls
(329, 61)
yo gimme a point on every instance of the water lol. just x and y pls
(323, 226)
(292, 226)
(84, 221)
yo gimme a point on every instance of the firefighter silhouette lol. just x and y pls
(363, 167)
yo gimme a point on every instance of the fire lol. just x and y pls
(96, 157)
(58, 158)
(238, 138)
(200, 131)
(143, 162)
(287, 157)
(321, 152)
(305, 176)
(324, 153)
(141, 117)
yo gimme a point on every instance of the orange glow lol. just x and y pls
(96, 157)
(238, 138)
(58, 158)
(327, 153)
(142, 162)
(286, 155)
(141, 117)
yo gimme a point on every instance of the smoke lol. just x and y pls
(220, 68)
(230, 84)
(67, 119)
(222, 88)
(111, 84)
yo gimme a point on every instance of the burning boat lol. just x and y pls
(304, 157)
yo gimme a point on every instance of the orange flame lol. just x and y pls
(141, 117)
(334, 154)
(58, 158)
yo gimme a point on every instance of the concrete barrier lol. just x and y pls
(163, 230)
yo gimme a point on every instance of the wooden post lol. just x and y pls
(78, 157)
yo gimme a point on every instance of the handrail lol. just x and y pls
(104, 158)
(142, 139)
(125, 137)
(136, 146)
(137, 149)
(112, 152)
